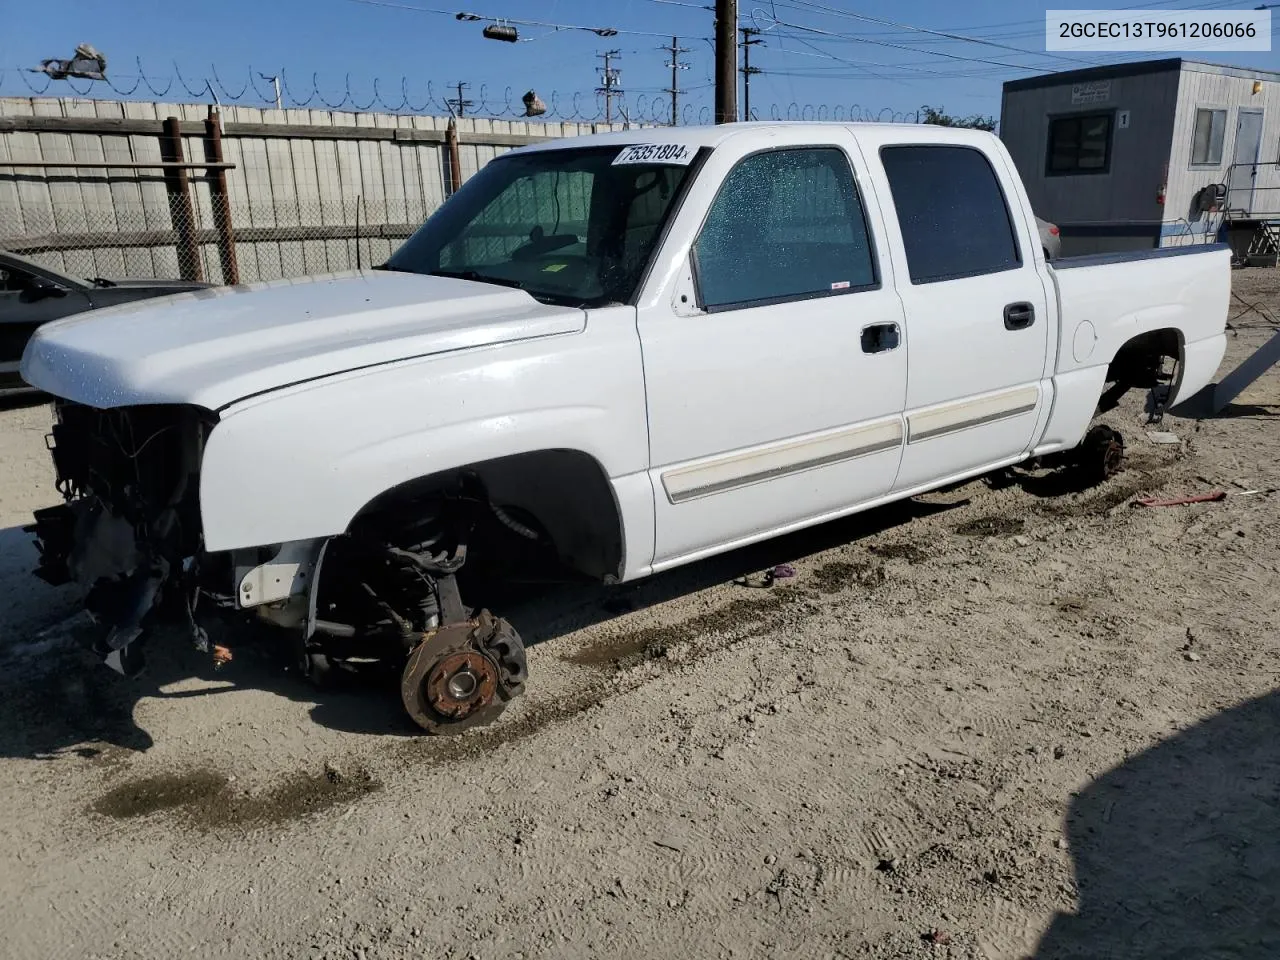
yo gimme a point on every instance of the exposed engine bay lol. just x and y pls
(129, 534)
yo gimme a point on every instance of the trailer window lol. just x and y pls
(1080, 144)
(1206, 139)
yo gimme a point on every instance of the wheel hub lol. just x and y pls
(1112, 457)
(461, 683)
(463, 674)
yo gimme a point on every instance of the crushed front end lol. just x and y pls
(130, 535)
(129, 530)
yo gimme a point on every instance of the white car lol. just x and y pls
(612, 355)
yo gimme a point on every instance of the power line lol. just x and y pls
(907, 71)
(916, 67)
(598, 31)
(899, 46)
(1149, 4)
(1027, 34)
(909, 28)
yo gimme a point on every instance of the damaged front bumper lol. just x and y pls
(128, 532)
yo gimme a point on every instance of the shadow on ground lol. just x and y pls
(56, 696)
(1249, 411)
(1199, 406)
(21, 401)
(1177, 850)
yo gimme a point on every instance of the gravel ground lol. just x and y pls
(999, 722)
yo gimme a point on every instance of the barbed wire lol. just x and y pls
(854, 113)
(395, 98)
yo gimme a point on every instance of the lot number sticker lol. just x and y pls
(673, 154)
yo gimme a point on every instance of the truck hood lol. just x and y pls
(213, 347)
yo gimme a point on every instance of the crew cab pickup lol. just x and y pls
(607, 355)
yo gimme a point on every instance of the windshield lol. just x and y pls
(567, 226)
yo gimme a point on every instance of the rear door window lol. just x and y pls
(953, 214)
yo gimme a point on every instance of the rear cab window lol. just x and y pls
(952, 212)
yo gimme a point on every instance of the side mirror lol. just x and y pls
(38, 288)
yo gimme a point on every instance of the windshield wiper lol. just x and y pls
(476, 276)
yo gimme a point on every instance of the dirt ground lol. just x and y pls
(999, 722)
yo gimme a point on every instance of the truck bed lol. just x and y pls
(1130, 256)
(1108, 300)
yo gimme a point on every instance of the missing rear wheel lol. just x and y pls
(1101, 454)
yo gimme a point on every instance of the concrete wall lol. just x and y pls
(300, 176)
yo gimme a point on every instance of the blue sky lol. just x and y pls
(817, 53)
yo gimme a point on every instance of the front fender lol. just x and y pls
(300, 463)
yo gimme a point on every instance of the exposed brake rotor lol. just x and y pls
(1101, 453)
(463, 674)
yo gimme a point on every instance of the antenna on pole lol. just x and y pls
(676, 66)
(610, 77)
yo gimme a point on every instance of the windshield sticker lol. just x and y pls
(840, 285)
(672, 154)
(554, 267)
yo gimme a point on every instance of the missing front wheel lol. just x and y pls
(464, 674)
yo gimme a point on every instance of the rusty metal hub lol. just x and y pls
(1112, 457)
(463, 674)
(461, 682)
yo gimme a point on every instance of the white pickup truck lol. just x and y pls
(610, 355)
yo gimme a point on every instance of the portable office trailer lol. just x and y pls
(1118, 156)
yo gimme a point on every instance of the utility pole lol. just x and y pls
(676, 66)
(726, 61)
(748, 41)
(610, 77)
(460, 105)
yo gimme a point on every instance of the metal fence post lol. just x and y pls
(221, 202)
(455, 161)
(180, 206)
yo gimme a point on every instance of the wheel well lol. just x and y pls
(1139, 363)
(562, 495)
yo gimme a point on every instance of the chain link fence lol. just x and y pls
(209, 238)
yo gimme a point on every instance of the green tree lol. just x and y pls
(939, 117)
